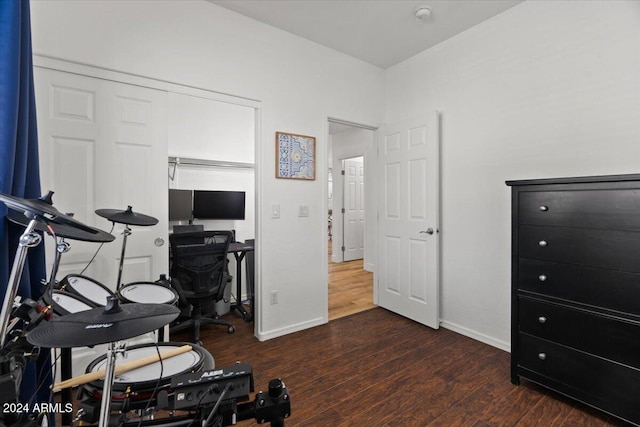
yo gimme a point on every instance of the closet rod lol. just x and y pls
(179, 161)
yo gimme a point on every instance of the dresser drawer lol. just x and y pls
(608, 337)
(612, 249)
(609, 289)
(610, 209)
(607, 385)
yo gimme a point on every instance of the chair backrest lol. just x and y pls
(250, 263)
(199, 260)
(188, 228)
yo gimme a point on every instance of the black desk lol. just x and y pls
(239, 250)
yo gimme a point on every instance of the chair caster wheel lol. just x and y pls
(199, 342)
(231, 329)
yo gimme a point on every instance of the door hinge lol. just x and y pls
(343, 249)
(343, 211)
(342, 172)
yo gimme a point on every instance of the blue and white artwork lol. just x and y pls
(296, 156)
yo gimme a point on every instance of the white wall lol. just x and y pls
(354, 143)
(298, 83)
(546, 89)
(208, 129)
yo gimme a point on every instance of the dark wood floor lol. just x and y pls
(378, 369)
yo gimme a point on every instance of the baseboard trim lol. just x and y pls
(267, 335)
(502, 345)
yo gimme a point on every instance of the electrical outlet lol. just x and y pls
(274, 297)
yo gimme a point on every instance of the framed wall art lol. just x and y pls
(295, 156)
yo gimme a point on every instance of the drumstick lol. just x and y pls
(124, 367)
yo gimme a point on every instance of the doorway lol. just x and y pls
(351, 236)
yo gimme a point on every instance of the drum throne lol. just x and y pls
(200, 275)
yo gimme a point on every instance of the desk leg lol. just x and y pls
(238, 306)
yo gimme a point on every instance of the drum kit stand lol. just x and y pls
(27, 325)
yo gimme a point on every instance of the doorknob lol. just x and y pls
(428, 231)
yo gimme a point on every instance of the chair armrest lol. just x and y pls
(175, 284)
(226, 279)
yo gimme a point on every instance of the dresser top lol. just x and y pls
(572, 180)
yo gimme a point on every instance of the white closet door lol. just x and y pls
(103, 144)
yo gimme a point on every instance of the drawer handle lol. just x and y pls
(542, 319)
(542, 243)
(542, 278)
(542, 356)
(543, 208)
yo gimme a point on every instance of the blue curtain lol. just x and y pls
(19, 173)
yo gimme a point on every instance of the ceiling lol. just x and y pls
(380, 32)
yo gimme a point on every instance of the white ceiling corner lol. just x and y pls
(380, 32)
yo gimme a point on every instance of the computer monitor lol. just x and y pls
(180, 205)
(218, 204)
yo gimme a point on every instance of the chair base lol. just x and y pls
(195, 323)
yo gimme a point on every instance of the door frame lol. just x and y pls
(323, 153)
(152, 83)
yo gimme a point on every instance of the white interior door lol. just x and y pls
(353, 218)
(408, 219)
(136, 153)
(103, 144)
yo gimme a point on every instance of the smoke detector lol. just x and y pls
(423, 13)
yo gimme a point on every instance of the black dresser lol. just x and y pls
(575, 291)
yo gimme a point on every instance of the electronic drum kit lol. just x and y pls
(79, 311)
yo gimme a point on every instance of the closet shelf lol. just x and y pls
(186, 161)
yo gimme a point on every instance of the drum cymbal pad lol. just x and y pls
(128, 217)
(99, 325)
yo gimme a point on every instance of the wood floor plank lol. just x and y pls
(509, 408)
(551, 411)
(358, 373)
(485, 387)
(400, 377)
(585, 417)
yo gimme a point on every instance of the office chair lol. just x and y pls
(199, 274)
